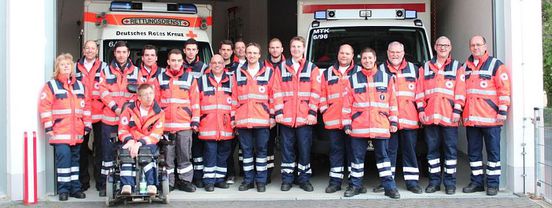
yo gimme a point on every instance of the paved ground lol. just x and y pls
(498, 202)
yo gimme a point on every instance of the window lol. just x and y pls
(163, 48)
(324, 45)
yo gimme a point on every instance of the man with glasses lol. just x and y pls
(487, 102)
(440, 97)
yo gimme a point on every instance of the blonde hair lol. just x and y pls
(59, 59)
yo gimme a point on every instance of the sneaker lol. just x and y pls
(261, 187)
(230, 180)
(432, 189)
(415, 189)
(222, 185)
(152, 190)
(209, 187)
(126, 190)
(285, 186)
(450, 190)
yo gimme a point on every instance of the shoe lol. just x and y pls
(378, 189)
(473, 188)
(393, 193)
(332, 188)
(198, 183)
(78, 195)
(351, 191)
(246, 186)
(362, 190)
(285, 186)
(450, 190)
(492, 191)
(126, 190)
(432, 189)
(307, 186)
(415, 189)
(152, 190)
(85, 186)
(187, 187)
(209, 187)
(230, 180)
(102, 193)
(222, 185)
(261, 187)
(63, 196)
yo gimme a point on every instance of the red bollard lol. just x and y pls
(30, 170)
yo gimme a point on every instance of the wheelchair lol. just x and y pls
(145, 156)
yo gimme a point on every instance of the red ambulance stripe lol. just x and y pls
(420, 7)
(116, 19)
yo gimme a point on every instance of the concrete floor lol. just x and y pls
(320, 181)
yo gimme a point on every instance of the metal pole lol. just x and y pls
(536, 124)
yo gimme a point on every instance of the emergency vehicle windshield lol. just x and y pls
(163, 48)
(324, 43)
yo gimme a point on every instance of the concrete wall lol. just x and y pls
(21, 114)
(451, 14)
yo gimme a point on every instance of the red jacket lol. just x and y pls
(113, 89)
(441, 91)
(216, 110)
(300, 92)
(370, 107)
(145, 129)
(487, 92)
(179, 99)
(253, 96)
(150, 77)
(332, 95)
(91, 81)
(64, 111)
(406, 76)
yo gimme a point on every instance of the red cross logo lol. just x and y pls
(191, 34)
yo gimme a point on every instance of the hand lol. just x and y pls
(134, 149)
(129, 144)
(118, 111)
(280, 118)
(311, 120)
(455, 117)
(233, 124)
(393, 129)
(348, 131)
(422, 116)
(272, 123)
(500, 118)
(195, 129)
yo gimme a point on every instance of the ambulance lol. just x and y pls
(164, 25)
(326, 24)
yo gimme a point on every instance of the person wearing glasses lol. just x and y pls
(487, 101)
(440, 97)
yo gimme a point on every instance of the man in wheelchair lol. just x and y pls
(140, 128)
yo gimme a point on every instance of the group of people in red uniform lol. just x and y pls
(201, 112)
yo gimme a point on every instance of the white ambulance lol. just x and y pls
(326, 24)
(367, 23)
(164, 25)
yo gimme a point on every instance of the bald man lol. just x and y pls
(487, 102)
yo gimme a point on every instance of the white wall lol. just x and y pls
(22, 89)
(459, 20)
(521, 44)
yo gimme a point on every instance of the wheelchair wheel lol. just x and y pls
(165, 193)
(109, 199)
